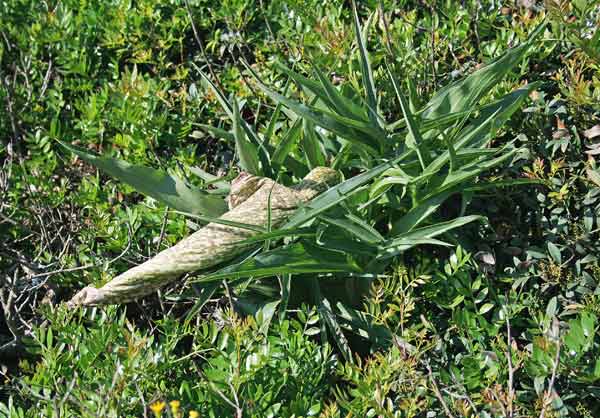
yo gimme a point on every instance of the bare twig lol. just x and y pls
(511, 390)
(8, 300)
(46, 80)
(464, 397)
(201, 45)
(267, 24)
(437, 393)
(9, 108)
(386, 27)
(476, 24)
(547, 400)
(465, 394)
(499, 402)
(239, 412)
(229, 297)
(433, 72)
(162, 229)
(88, 266)
(141, 395)
(222, 395)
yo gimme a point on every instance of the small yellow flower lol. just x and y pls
(174, 407)
(157, 408)
(194, 414)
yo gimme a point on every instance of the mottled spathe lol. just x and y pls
(215, 243)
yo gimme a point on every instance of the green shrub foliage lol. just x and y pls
(464, 237)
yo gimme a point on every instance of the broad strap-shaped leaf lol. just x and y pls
(342, 105)
(479, 132)
(334, 238)
(245, 150)
(454, 182)
(204, 294)
(432, 231)
(210, 179)
(515, 98)
(217, 132)
(306, 83)
(355, 226)
(240, 225)
(312, 146)
(277, 234)
(296, 258)
(166, 188)
(358, 132)
(471, 170)
(327, 314)
(366, 70)
(436, 165)
(288, 143)
(263, 153)
(390, 178)
(422, 236)
(422, 211)
(462, 95)
(493, 116)
(337, 194)
(414, 139)
(401, 245)
(274, 119)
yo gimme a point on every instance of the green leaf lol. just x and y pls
(246, 151)
(330, 319)
(463, 94)
(366, 71)
(551, 308)
(486, 307)
(264, 315)
(357, 132)
(401, 245)
(263, 154)
(438, 229)
(471, 171)
(206, 292)
(274, 118)
(288, 142)
(211, 179)
(362, 324)
(279, 233)
(220, 221)
(414, 139)
(285, 282)
(312, 146)
(452, 183)
(493, 116)
(501, 183)
(554, 252)
(422, 211)
(217, 132)
(168, 189)
(337, 194)
(358, 230)
(291, 259)
(308, 84)
(339, 103)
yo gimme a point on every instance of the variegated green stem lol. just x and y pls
(215, 243)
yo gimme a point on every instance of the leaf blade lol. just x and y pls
(166, 188)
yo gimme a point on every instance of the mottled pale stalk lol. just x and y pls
(214, 243)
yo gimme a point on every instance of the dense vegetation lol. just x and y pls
(453, 273)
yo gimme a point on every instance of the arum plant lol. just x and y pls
(343, 229)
